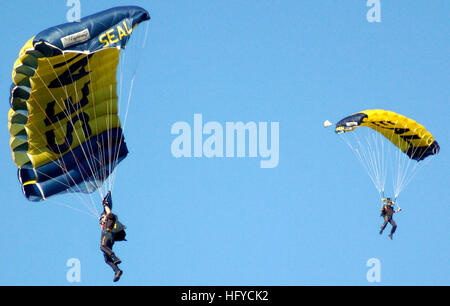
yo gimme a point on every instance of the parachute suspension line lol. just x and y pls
(106, 164)
(378, 158)
(99, 176)
(406, 167)
(409, 172)
(383, 158)
(138, 57)
(87, 201)
(381, 151)
(401, 160)
(89, 148)
(360, 153)
(368, 161)
(89, 144)
(113, 175)
(107, 156)
(376, 163)
(67, 113)
(63, 166)
(113, 160)
(96, 176)
(109, 147)
(92, 214)
(398, 159)
(121, 85)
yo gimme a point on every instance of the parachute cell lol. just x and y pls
(66, 135)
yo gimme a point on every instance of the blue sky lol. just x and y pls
(313, 219)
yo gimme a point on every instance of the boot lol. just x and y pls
(117, 275)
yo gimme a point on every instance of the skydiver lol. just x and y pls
(387, 211)
(107, 221)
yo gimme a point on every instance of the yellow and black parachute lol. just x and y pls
(409, 139)
(66, 134)
(408, 135)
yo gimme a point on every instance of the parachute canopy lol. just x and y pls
(66, 135)
(409, 136)
(388, 145)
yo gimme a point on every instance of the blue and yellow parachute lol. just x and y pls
(66, 135)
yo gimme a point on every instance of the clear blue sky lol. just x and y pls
(313, 219)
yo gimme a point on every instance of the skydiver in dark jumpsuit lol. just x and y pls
(387, 211)
(107, 221)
